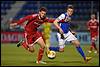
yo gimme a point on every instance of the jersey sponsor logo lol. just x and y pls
(67, 19)
(37, 23)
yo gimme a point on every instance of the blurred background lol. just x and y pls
(12, 11)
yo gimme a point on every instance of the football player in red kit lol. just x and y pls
(33, 36)
(93, 26)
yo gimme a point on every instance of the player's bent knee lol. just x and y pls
(31, 51)
(76, 43)
(43, 47)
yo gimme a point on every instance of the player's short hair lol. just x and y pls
(43, 9)
(70, 6)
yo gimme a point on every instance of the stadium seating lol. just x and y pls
(28, 8)
(55, 8)
(82, 8)
(6, 5)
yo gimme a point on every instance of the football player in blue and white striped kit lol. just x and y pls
(65, 33)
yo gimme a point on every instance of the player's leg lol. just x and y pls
(24, 42)
(47, 42)
(29, 47)
(61, 45)
(27, 43)
(75, 42)
(93, 45)
(40, 41)
(79, 49)
(19, 43)
(60, 48)
(54, 48)
(41, 50)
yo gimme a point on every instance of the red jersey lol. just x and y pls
(33, 22)
(93, 25)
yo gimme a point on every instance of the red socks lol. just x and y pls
(40, 54)
(24, 45)
(93, 46)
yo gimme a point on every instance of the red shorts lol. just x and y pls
(94, 34)
(32, 38)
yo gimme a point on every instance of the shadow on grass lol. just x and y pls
(61, 63)
(54, 62)
(64, 61)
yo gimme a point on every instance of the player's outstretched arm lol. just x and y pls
(22, 20)
(12, 25)
(58, 27)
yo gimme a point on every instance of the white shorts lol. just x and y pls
(68, 37)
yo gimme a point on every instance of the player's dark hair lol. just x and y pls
(43, 9)
(70, 6)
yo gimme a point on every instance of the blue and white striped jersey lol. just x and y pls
(64, 25)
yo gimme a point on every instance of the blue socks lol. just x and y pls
(79, 49)
(54, 48)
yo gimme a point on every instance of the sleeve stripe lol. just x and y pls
(34, 15)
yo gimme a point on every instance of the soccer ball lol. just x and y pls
(51, 54)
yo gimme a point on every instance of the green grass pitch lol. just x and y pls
(14, 56)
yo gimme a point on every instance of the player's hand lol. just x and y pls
(12, 25)
(61, 32)
(62, 36)
(73, 32)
